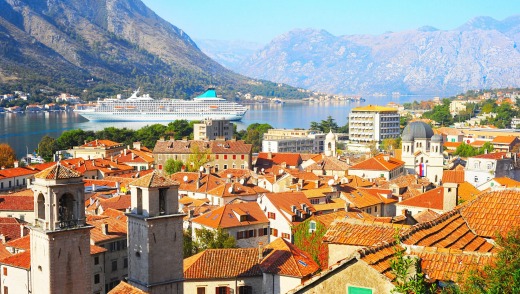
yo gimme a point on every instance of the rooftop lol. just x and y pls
(375, 108)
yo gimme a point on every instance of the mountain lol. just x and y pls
(482, 53)
(105, 46)
(228, 53)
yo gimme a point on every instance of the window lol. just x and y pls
(375, 208)
(242, 156)
(274, 232)
(96, 279)
(312, 226)
(245, 290)
(262, 232)
(250, 233)
(114, 265)
(160, 166)
(201, 290)
(286, 236)
(271, 215)
(5, 271)
(358, 290)
(216, 156)
(240, 235)
(225, 166)
(125, 262)
(6, 290)
(315, 201)
(369, 210)
(225, 156)
(476, 179)
(234, 156)
(222, 290)
(96, 260)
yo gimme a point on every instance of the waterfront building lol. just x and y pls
(422, 151)
(293, 141)
(211, 129)
(373, 123)
(97, 149)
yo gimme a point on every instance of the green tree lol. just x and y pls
(172, 166)
(212, 239)
(71, 138)
(180, 129)
(390, 143)
(325, 125)
(503, 276)
(148, 135)
(254, 135)
(197, 158)
(7, 156)
(47, 147)
(188, 249)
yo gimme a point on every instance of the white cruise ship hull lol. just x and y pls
(154, 117)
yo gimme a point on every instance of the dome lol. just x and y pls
(417, 130)
(437, 138)
(330, 136)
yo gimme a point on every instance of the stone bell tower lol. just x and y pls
(60, 238)
(155, 240)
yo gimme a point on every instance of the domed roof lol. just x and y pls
(330, 136)
(437, 138)
(417, 130)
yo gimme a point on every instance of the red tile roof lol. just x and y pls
(229, 216)
(433, 199)
(508, 140)
(492, 212)
(425, 216)
(360, 233)
(57, 171)
(232, 190)
(291, 159)
(214, 147)
(125, 288)
(223, 263)
(16, 203)
(359, 198)
(16, 172)
(97, 249)
(206, 182)
(23, 243)
(453, 176)
(285, 200)
(12, 229)
(493, 155)
(117, 229)
(380, 258)
(283, 258)
(101, 143)
(452, 145)
(154, 180)
(379, 162)
(20, 260)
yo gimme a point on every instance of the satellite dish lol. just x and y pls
(242, 181)
(230, 190)
(229, 176)
(335, 177)
(330, 182)
(185, 179)
(201, 168)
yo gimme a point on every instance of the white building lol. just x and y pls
(293, 141)
(422, 151)
(373, 123)
(482, 168)
(213, 129)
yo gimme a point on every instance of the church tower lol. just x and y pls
(155, 239)
(60, 237)
(330, 144)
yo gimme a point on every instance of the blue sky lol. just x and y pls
(262, 20)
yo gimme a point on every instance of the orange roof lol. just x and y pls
(380, 258)
(285, 200)
(494, 155)
(23, 243)
(101, 143)
(453, 176)
(359, 198)
(447, 231)
(507, 182)
(448, 131)
(291, 159)
(356, 181)
(57, 171)
(113, 213)
(283, 258)
(450, 264)
(477, 143)
(385, 195)
(154, 180)
(492, 212)
(119, 202)
(16, 172)
(16, 203)
(360, 232)
(426, 216)
(379, 162)
(97, 249)
(233, 215)
(19, 260)
(117, 229)
(508, 140)
(222, 263)
(237, 190)
(205, 182)
(452, 145)
(433, 199)
(125, 288)
(466, 191)
(328, 218)
(4, 252)
(331, 204)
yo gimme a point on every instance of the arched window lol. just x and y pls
(139, 201)
(41, 206)
(329, 146)
(66, 208)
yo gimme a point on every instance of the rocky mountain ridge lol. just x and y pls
(482, 53)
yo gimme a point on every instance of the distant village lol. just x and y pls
(301, 216)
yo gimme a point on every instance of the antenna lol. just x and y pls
(330, 182)
(185, 179)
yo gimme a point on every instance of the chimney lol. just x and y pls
(21, 231)
(347, 206)
(198, 183)
(118, 187)
(260, 251)
(183, 168)
(112, 158)
(93, 187)
(137, 145)
(255, 170)
(124, 152)
(15, 163)
(162, 139)
(104, 229)
(269, 155)
(96, 141)
(191, 213)
(404, 212)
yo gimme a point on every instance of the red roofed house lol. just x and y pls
(380, 166)
(482, 168)
(15, 178)
(19, 205)
(276, 268)
(140, 158)
(244, 221)
(439, 200)
(504, 143)
(97, 149)
(284, 210)
(222, 154)
(266, 160)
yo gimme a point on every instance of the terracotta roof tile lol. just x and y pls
(154, 180)
(359, 198)
(223, 263)
(113, 213)
(117, 229)
(16, 172)
(57, 171)
(214, 147)
(504, 140)
(379, 162)
(20, 260)
(101, 143)
(4, 252)
(453, 176)
(332, 204)
(380, 258)
(283, 258)
(237, 190)
(119, 202)
(452, 145)
(23, 243)
(466, 191)
(125, 288)
(360, 232)
(291, 159)
(433, 199)
(507, 182)
(285, 200)
(97, 249)
(16, 203)
(229, 216)
(196, 182)
(493, 155)
(426, 216)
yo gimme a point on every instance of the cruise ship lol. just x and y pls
(144, 108)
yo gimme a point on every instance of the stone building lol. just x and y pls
(422, 151)
(213, 129)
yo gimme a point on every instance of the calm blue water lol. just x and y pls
(24, 131)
